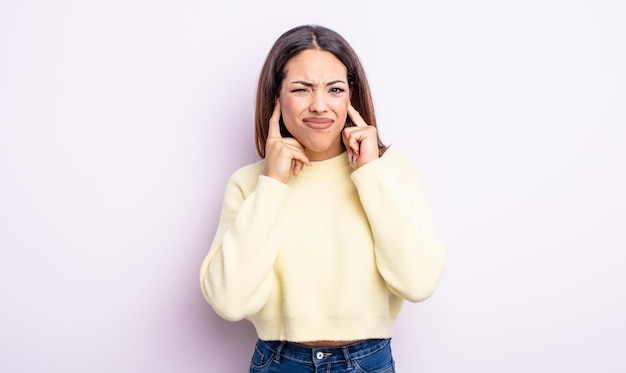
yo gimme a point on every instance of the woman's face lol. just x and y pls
(314, 100)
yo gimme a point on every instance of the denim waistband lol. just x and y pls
(315, 355)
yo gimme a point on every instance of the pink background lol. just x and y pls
(121, 120)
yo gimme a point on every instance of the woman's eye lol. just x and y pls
(337, 90)
(298, 90)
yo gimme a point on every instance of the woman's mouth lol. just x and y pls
(318, 123)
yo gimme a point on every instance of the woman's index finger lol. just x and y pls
(356, 117)
(274, 127)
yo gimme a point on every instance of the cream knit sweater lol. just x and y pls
(328, 256)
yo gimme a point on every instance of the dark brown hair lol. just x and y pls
(288, 46)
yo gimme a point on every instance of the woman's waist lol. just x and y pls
(329, 343)
(323, 330)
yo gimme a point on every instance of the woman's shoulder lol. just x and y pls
(244, 179)
(248, 174)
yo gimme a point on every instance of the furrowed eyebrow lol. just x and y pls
(335, 82)
(308, 84)
(302, 82)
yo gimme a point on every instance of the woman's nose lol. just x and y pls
(318, 103)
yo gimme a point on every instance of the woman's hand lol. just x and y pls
(361, 140)
(283, 155)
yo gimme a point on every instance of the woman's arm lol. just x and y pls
(409, 255)
(237, 274)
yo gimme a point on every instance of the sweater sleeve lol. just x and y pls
(409, 255)
(237, 274)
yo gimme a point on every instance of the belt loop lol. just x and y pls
(278, 350)
(346, 355)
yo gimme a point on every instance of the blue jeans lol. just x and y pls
(369, 356)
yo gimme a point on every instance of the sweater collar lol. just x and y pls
(329, 166)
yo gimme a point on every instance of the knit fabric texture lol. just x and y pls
(331, 255)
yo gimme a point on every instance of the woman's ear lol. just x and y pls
(348, 122)
(283, 129)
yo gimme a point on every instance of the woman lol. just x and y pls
(320, 242)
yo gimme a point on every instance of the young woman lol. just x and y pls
(320, 242)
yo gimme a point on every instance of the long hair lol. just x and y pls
(287, 46)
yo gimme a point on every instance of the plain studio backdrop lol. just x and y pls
(120, 122)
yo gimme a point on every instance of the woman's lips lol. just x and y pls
(318, 123)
